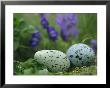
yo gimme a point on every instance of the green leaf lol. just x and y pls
(28, 71)
(28, 63)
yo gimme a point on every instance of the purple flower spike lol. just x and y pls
(44, 22)
(60, 19)
(53, 35)
(64, 34)
(71, 17)
(36, 35)
(75, 32)
(67, 23)
(33, 43)
(35, 39)
(94, 45)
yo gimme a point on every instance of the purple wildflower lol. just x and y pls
(35, 39)
(60, 20)
(67, 23)
(75, 31)
(36, 35)
(94, 45)
(33, 43)
(44, 22)
(68, 18)
(53, 35)
(64, 35)
(67, 33)
(71, 17)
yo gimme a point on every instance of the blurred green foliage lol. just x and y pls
(30, 67)
(24, 25)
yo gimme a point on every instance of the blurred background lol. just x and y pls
(45, 31)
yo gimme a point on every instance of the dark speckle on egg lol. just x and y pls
(56, 64)
(51, 56)
(65, 58)
(51, 51)
(52, 66)
(57, 57)
(88, 57)
(80, 58)
(71, 56)
(77, 56)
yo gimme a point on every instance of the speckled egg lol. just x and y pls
(80, 55)
(54, 60)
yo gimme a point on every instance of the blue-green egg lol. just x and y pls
(54, 60)
(81, 55)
